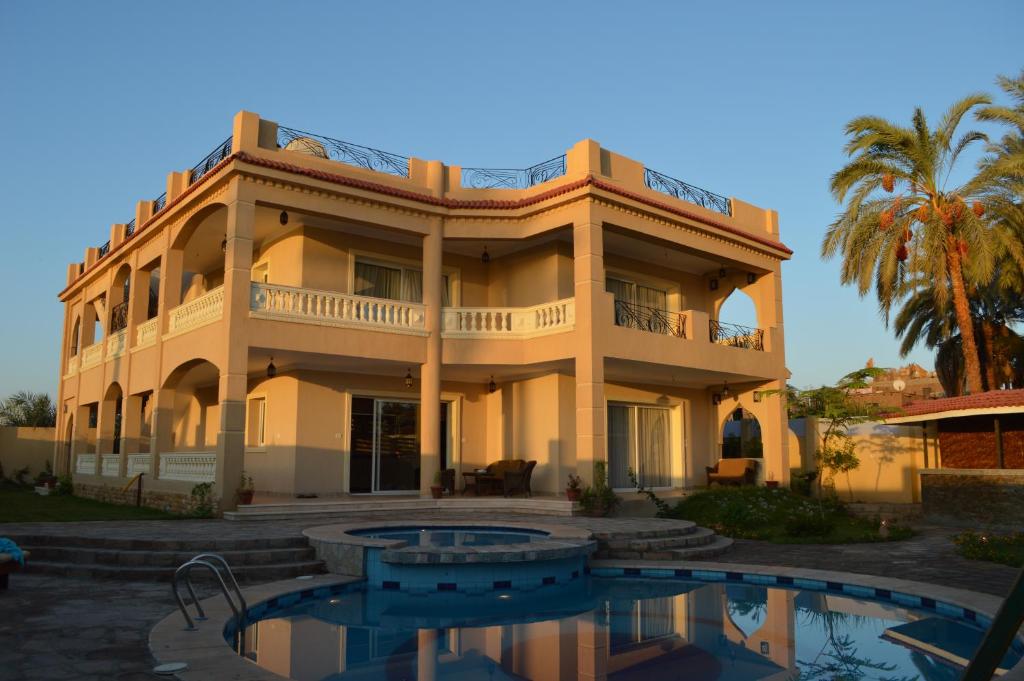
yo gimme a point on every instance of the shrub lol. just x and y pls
(202, 500)
(1007, 549)
(599, 499)
(65, 487)
(809, 526)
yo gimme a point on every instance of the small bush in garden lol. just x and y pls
(809, 526)
(65, 487)
(1007, 549)
(202, 500)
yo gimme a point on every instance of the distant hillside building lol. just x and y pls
(899, 387)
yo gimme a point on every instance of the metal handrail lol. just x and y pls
(184, 571)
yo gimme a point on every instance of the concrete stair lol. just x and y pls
(685, 541)
(156, 560)
(368, 507)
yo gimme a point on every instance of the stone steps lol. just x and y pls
(716, 547)
(317, 510)
(244, 573)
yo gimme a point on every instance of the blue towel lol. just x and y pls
(8, 546)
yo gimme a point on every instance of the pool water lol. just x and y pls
(453, 536)
(607, 628)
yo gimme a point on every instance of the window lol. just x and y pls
(631, 293)
(93, 415)
(257, 422)
(638, 440)
(393, 282)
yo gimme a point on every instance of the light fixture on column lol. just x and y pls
(485, 257)
(224, 244)
(725, 389)
(721, 273)
(491, 385)
(713, 284)
(271, 369)
(284, 217)
(751, 277)
(408, 378)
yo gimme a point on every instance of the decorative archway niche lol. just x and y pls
(741, 435)
(200, 247)
(738, 308)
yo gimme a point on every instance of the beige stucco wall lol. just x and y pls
(890, 458)
(25, 447)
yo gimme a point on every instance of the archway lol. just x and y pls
(738, 308)
(741, 436)
(201, 244)
(186, 423)
(63, 466)
(76, 332)
(110, 421)
(118, 299)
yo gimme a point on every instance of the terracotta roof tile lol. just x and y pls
(987, 400)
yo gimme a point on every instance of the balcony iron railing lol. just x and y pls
(221, 152)
(687, 192)
(104, 249)
(655, 320)
(160, 203)
(509, 178)
(129, 228)
(736, 336)
(119, 316)
(345, 152)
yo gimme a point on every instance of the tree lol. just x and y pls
(25, 408)
(899, 207)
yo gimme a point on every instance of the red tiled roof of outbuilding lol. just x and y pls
(991, 399)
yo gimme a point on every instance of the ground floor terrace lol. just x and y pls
(336, 426)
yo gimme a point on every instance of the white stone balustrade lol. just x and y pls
(145, 333)
(188, 466)
(205, 309)
(117, 343)
(509, 322)
(91, 355)
(138, 463)
(330, 308)
(85, 464)
(72, 365)
(110, 465)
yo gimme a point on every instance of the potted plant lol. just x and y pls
(246, 489)
(771, 482)
(574, 488)
(436, 490)
(599, 499)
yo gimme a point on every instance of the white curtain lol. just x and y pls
(412, 286)
(622, 290)
(378, 282)
(652, 297)
(620, 446)
(652, 446)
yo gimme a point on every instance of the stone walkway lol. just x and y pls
(68, 628)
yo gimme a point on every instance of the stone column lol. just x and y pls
(162, 439)
(80, 435)
(426, 655)
(430, 371)
(131, 427)
(589, 289)
(104, 430)
(591, 648)
(234, 372)
(171, 265)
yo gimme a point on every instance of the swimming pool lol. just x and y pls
(453, 535)
(624, 625)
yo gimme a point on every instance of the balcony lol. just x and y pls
(329, 308)
(205, 309)
(91, 356)
(654, 320)
(110, 465)
(137, 463)
(736, 336)
(72, 365)
(85, 464)
(509, 322)
(117, 343)
(188, 466)
(146, 333)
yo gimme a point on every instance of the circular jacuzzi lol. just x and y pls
(467, 557)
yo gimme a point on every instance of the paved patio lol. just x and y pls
(69, 628)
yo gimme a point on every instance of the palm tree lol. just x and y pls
(900, 206)
(25, 408)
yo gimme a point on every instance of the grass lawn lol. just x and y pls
(1007, 549)
(20, 505)
(780, 516)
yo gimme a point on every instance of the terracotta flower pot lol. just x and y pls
(572, 494)
(436, 491)
(245, 496)
(771, 484)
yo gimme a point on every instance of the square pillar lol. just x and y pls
(162, 439)
(430, 371)
(591, 299)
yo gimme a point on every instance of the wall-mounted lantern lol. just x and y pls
(408, 378)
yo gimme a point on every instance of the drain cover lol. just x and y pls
(170, 668)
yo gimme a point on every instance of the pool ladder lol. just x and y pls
(214, 563)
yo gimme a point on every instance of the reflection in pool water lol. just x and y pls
(453, 535)
(614, 629)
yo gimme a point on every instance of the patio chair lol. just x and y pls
(732, 472)
(518, 481)
(9, 564)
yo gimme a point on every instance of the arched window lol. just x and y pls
(76, 331)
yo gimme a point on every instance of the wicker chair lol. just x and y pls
(518, 481)
(732, 472)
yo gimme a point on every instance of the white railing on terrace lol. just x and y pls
(117, 343)
(145, 333)
(92, 355)
(207, 308)
(85, 464)
(72, 365)
(110, 465)
(331, 308)
(509, 322)
(137, 463)
(188, 466)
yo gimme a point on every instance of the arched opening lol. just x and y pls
(188, 422)
(738, 308)
(63, 466)
(119, 296)
(76, 332)
(202, 244)
(741, 436)
(111, 419)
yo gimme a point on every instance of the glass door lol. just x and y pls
(638, 439)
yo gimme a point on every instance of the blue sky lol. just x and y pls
(746, 99)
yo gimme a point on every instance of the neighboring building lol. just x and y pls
(338, 320)
(900, 387)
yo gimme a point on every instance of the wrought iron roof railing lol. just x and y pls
(221, 152)
(104, 249)
(345, 152)
(160, 203)
(129, 228)
(687, 192)
(511, 178)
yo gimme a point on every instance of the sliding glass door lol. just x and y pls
(385, 445)
(638, 439)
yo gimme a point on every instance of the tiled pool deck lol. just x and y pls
(70, 628)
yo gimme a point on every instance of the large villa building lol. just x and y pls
(335, 320)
